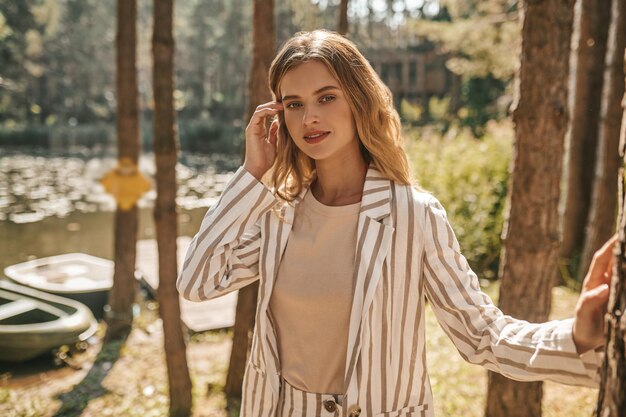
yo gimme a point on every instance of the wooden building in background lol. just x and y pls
(415, 73)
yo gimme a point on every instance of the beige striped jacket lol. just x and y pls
(406, 251)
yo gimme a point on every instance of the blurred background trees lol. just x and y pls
(165, 212)
(57, 78)
(58, 61)
(122, 295)
(57, 90)
(263, 42)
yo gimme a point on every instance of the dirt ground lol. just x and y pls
(131, 380)
(121, 380)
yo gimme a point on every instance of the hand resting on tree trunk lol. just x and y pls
(588, 331)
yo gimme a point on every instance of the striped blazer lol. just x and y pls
(406, 251)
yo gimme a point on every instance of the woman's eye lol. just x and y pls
(296, 104)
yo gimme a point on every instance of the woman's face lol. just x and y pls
(313, 104)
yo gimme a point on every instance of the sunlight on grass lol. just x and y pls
(136, 385)
(460, 388)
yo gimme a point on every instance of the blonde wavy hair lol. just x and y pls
(377, 121)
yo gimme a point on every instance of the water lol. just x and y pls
(54, 204)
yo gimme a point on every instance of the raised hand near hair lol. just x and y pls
(261, 144)
(588, 331)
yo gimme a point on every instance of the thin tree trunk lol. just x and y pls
(531, 239)
(122, 295)
(244, 323)
(612, 395)
(455, 95)
(342, 26)
(263, 52)
(601, 221)
(166, 154)
(263, 39)
(592, 17)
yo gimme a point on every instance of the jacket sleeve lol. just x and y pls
(485, 336)
(224, 255)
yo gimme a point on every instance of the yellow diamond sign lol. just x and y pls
(126, 183)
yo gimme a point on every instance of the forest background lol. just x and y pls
(57, 85)
(58, 98)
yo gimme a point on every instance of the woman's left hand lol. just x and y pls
(588, 331)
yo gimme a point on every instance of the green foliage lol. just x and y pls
(58, 137)
(204, 136)
(209, 136)
(58, 59)
(34, 136)
(481, 40)
(479, 46)
(438, 107)
(411, 113)
(4, 29)
(469, 177)
(213, 53)
(480, 97)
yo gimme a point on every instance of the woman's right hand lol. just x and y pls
(261, 145)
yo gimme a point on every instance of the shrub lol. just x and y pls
(33, 136)
(469, 176)
(59, 137)
(204, 136)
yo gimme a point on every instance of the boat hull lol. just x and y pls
(34, 322)
(77, 276)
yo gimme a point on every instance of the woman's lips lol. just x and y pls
(317, 138)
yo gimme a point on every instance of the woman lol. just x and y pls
(346, 249)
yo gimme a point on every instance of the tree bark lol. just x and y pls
(601, 221)
(122, 295)
(531, 239)
(588, 62)
(612, 395)
(342, 26)
(242, 340)
(263, 51)
(166, 154)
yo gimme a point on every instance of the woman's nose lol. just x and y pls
(310, 117)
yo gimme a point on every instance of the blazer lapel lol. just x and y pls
(374, 237)
(277, 234)
(373, 243)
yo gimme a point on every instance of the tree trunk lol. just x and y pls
(588, 61)
(263, 38)
(601, 221)
(455, 95)
(612, 395)
(242, 340)
(342, 26)
(166, 154)
(122, 295)
(531, 239)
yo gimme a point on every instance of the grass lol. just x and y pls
(128, 381)
(134, 383)
(131, 380)
(470, 178)
(460, 388)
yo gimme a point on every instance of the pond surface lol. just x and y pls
(54, 204)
